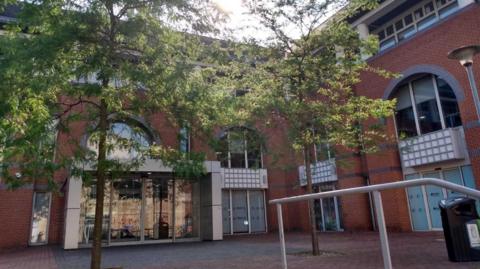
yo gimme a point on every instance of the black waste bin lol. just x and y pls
(462, 236)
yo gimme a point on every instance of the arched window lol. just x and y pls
(125, 141)
(240, 148)
(425, 103)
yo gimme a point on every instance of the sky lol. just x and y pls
(245, 24)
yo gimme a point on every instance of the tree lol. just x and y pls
(92, 63)
(305, 76)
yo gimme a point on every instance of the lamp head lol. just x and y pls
(464, 54)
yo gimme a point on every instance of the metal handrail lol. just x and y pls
(375, 190)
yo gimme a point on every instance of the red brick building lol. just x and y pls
(434, 134)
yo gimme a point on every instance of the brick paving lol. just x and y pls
(340, 250)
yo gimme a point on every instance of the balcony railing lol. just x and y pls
(244, 178)
(439, 146)
(324, 171)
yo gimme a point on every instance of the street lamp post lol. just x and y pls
(465, 56)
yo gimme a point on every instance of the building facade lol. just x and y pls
(434, 133)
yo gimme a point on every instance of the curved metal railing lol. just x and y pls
(377, 199)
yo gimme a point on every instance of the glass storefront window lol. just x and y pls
(140, 208)
(158, 220)
(125, 210)
(87, 213)
(186, 208)
(41, 213)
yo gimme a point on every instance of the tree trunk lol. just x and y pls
(101, 174)
(311, 204)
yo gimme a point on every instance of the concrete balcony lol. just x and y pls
(440, 146)
(244, 178)
(324, 171)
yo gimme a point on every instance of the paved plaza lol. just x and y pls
(340, 250)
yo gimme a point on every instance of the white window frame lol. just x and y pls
(245, 153)
(415, 21)
(414, 106)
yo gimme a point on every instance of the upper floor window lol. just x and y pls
(425, 104)
(323, 152)
(184, 140)
(240, 148)
(125, 141)
(417, 18)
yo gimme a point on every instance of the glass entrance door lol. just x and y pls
(40, 218)
(158, 219)
(240, 211)
(434, 196)
(126, 206)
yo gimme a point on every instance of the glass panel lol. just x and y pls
(329, 214)
(324, 152)
(434, 196)
(387, 43)
(429, 8)
(187, 208)
(417, 205)
(449, 104)
(184, 138)
(226, 211)
(453, 176)
(318, 214)
(126, 209)
(427, 22)
(408, 19)
(257, 211)
(407, 33)
(240, 214)
(426, 103)
(41, 213)
(237, 149)
(468, 176)
(404, 116)
(129, 141)
(87, 213)
(399, 25)
(389, 30)
(445, 12)
(253, 150)
(381, 35)
(418, 13)
(158, 220)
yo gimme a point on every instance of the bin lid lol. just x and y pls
(451, 202)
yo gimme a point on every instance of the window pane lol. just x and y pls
(418, 13)
(427, 22)
(187, 208)
(253, 150)
(226, 211)
(429, 8)
(41, 212)
(387, 44)
(449, 103)
(381, 35)
(158, 217)
(426, 104)
(399, 25)
(389, 30)
(453, 176)
(407, 33)
(445, 12)
(324, 152)
(408, 19)
(126, 208)
(257, 211)
(237, 149)
(87, 213)
(404, 116)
